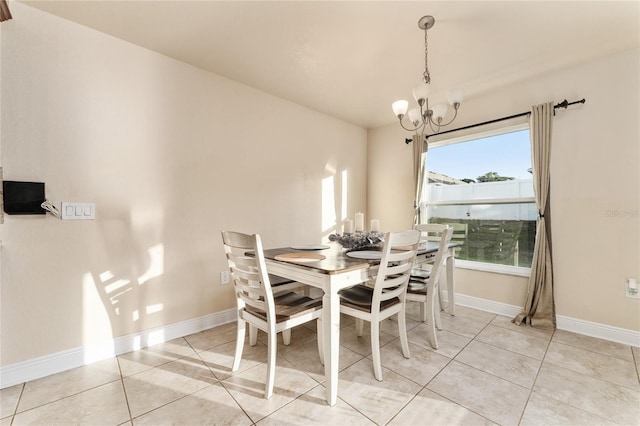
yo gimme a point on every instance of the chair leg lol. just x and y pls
(402, 329)
(437, 319)
(320, 332)
(423, 311)
(239, 343)
(440, 297)
(359, 327)
(253, 335)
(286, 336)
(375, 350)
(431, 326)
(436, 312)
(272, 346)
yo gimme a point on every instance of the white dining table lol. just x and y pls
(332, 274)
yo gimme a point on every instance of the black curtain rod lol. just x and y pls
(563, 104)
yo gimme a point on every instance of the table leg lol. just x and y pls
(451, 288)
(331, 324)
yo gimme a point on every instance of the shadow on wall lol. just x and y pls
(120, 295)
(124, 290)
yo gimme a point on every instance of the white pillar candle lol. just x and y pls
(375, 225)
(347, 227)
(359, 222)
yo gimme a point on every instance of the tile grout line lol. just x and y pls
(440, 371)
(15, 409)
(587, 349)
(184, 395)
(535, 380)
(636, 362)
(220, 381)
(454, 359)
(557, 400)
(604, 379)
(124, 389)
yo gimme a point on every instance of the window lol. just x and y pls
(481, 184)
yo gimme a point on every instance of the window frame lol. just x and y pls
(522, 123)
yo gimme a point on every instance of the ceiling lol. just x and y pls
(352, 59)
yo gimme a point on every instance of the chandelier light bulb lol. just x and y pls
(400, 108)
(414, 116)
(439, 111)
(421, 93)
(455, 96)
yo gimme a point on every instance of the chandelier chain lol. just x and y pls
(426, 76)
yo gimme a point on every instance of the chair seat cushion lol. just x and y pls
(288, 305)
(276, 280)
(360, 297)
(420, 273)
(417, 286)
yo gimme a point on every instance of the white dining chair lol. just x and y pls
(384, 296)
(260, 307)
(424, 285)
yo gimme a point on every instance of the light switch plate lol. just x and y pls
(78, 211)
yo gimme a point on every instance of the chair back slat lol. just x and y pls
(441, 234)
(398, 255)
(249, 273)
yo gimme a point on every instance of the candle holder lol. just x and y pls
(359, 240)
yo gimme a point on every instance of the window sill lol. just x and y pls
(494, 268)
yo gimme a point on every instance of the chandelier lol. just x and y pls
(425, 115)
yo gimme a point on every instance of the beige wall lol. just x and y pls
(171, 155)
(156, 145)
(595, 189)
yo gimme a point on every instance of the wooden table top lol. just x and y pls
(336, 260)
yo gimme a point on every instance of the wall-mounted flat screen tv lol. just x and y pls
(23, 197)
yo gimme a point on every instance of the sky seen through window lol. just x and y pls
(507, 154)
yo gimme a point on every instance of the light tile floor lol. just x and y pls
(486, 371)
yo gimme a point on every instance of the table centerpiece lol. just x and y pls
(359, 240)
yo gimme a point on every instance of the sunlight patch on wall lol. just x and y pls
(328, 204)
(114, 286)
(156, 266)
(106, 276)
(152, 309)
(345, 185)
(96, 324)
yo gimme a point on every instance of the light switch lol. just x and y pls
(77, 211)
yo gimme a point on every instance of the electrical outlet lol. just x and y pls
(224, 277)
(631, 288)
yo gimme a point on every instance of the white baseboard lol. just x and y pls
(587, 328)
(487, 305)
(55, 363)
(601, 331)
